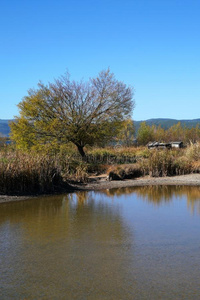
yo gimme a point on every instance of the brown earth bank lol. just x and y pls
(101, 182)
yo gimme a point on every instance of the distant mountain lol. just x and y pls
(167, 123)
(4, 127)
(164, 123)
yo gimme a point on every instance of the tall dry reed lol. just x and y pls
(162, 163)
(22, 173)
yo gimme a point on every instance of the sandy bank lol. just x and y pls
(101, 183)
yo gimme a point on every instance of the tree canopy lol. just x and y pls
(145, 134)
(127, 133)
(68, 111)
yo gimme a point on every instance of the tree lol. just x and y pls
(145, 134)
(126, 134)
(193, 134)
(68, 111)
(176, 132)
(158, 133)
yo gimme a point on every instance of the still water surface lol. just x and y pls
(130, 243)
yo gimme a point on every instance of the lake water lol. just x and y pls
(130, 243)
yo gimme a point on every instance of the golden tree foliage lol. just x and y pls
(127, 132)
(177, 132)
(68, 111)
(145, 134)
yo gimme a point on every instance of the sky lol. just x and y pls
(151, 45)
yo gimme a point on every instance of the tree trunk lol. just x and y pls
(81, 151)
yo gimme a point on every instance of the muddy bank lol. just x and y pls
(101, 183)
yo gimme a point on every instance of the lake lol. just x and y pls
(128, 243)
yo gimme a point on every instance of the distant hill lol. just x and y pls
(167, 123)
(4, 127)
(164, 123)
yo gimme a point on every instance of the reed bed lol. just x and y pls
(37, 172)
(116, 155)
(158, 163)
(161, 163)
(23, 173)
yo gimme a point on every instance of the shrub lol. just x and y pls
(124, 172)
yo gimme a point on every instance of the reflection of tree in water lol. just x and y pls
(32, 212)
(161, 194)
(45, 216)
(75, 245)
(155, 194)
(104, 221)
(72, 244)
(193, 198)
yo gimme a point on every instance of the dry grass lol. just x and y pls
(120, 172)
(196, 166)
(162, 163)
(193, 152)
(22, 173)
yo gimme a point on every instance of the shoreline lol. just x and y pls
(102, 184)
(187, 180)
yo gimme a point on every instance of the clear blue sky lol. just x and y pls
(153, 45)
